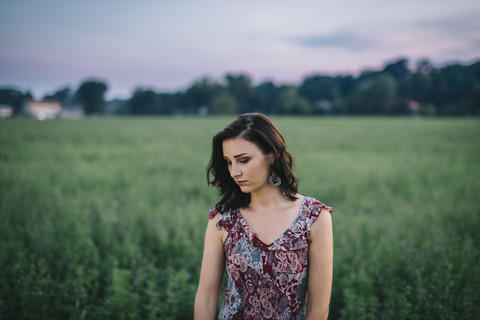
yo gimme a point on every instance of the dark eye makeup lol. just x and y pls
(241, 160)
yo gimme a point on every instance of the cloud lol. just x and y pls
(451, 38)
(464, 28)
(453, 25)
(343, 40)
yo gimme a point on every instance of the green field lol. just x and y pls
(104, 218)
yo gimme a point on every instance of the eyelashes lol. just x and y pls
(241, 160)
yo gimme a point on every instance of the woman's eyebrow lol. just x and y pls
(236, 156)
(241, 154)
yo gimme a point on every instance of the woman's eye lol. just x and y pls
(244, 160)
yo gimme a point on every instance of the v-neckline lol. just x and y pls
(253, 235)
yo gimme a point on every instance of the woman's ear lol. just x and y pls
(271, 157)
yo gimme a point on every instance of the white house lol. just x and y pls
(5, 111)
(43, 109)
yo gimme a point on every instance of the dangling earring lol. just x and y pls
(274, 180)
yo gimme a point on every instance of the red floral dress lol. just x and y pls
(266, 281)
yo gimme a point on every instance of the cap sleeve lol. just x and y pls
(226, 219)
(316, 208)
(313, 212)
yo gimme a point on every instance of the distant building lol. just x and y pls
(43, 109)
(5, 111)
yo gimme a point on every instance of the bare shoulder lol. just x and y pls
(214, 218)
(322, 226)
(300, 197)
(212, 227)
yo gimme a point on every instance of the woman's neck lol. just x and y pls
(267, 198)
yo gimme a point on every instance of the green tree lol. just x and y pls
(167, 103)
(474, 70)
(14, 98)
(266, 98)
(240, 87)
(201, 93)
(397, 69)
(290, 102)
(375, 95)
(319, 87)
(419, 86)
(63, 95)
(223, 103)
(320, 91)
(143, 101)
(438, 90)
(346, 85)
(401, 74)
(424, 65)
(461, 83)
(91, 94)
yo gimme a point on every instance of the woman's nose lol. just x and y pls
(235, 172)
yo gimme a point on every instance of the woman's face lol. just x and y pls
(248, 166)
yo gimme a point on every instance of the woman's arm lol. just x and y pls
(211, 274)
(320, 267)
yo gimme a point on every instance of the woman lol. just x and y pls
(270, 240)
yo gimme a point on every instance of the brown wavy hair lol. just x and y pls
(260, 130)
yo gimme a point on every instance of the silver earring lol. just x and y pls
(274, 180)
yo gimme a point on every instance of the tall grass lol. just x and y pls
(105, 218)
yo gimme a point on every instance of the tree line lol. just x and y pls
(395, 90)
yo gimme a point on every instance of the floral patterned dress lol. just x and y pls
(266, 281)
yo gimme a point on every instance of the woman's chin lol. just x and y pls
(245, 189)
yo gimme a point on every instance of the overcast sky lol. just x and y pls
(168, 44)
